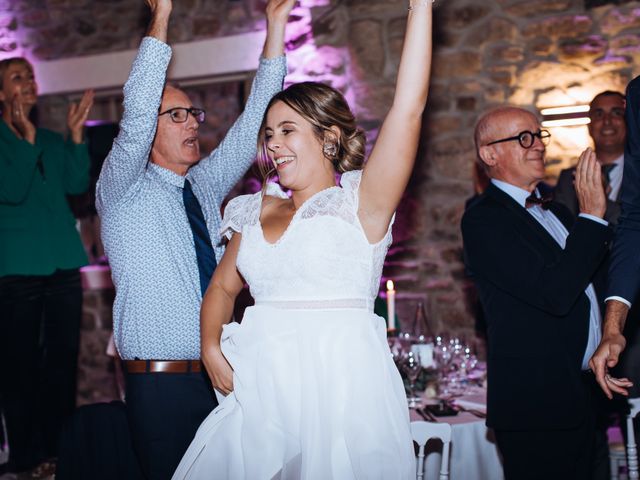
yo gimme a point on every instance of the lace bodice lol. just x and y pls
(323, 254)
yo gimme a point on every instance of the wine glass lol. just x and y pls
(412, 366)
(442, 355)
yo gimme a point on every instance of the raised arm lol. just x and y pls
(128, 157)
(235, 154)
(160, 13)
(77, 116)
(76, 159)
(389, 167)
(277, 12)
(217, 309)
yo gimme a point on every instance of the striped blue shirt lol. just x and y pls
(145, 229)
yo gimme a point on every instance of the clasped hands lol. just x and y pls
(76, 117)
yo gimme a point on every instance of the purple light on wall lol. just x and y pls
(96, 123)
(314, 3)
(11, 35)
(299, 30)
(309, 61)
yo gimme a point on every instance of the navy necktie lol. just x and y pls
(606, 173)
(204, 251)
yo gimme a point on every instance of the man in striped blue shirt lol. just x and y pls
(148, 184)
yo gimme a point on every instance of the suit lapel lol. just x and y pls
(526, 219)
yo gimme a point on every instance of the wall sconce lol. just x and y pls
(565, 116)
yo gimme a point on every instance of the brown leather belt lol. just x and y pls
(162, 366)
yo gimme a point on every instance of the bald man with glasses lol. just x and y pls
(160, 208)
(532, 263)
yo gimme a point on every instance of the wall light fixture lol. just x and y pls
(569, 116)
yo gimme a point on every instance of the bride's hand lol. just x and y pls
(219, 371)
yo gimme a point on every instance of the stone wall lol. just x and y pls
(533, 54)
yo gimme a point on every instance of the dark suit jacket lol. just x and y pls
(624, 273)
(623, 277)
(532, 292)
(565, 193)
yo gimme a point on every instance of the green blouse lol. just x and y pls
(37, 229)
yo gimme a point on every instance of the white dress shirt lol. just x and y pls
(556, 229)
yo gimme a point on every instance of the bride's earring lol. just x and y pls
(330, 149)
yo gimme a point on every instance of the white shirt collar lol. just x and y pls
(518, 194)
(619, 161)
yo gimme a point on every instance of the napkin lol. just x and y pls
(473, 401)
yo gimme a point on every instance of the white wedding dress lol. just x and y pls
(316, 393)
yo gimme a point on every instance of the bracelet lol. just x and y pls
(420, 3)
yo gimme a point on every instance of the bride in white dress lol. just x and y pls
(312, 391)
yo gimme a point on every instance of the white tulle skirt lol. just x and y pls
(316, 396)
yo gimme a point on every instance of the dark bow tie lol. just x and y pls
(533, 199)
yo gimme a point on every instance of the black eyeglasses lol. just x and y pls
(527, 138)
(180, 114)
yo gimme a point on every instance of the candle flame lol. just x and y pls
(389, 284)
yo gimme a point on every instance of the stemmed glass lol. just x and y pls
(455, 364)
(446, 353)
(443, 355)
(412, 367)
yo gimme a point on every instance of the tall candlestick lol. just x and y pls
(391, 305)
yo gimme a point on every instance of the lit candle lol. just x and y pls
(391, 305)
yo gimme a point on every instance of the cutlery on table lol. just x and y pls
(427, 415)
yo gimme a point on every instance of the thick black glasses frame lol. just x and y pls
(543, 135)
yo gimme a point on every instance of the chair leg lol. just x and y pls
(420, 466)
(614, 468)
(632, 451)
(444, 466)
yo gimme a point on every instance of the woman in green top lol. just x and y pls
(40, 253)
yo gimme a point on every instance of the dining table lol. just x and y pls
(473, 453)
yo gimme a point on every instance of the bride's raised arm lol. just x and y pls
(387, 172)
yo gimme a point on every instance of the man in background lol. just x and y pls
(608, 131)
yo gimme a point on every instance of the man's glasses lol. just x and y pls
(180, 114)
(527, 138)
